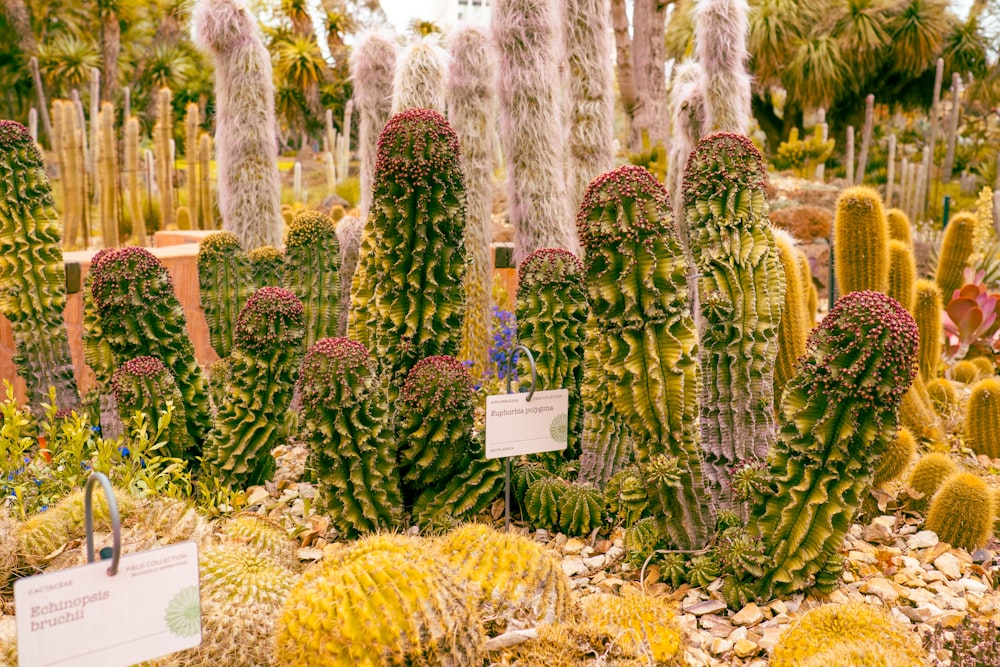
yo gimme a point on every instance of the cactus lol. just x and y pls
(823, 628)
(857, 654)
(247, 149)
(32, 280)
(646, 625)
(163, 136)
(518, 584)
(526, 38)
(349, 231)
(703, 570)
(895, 458)
(183, 218)
(964, 371)
(603, 441)
(345, 424)
(626, 497)
(39, 536)
(523, 474)
(97, 352)
(642, 539)
(418, 227)
(419, 78)
(263, 536)
(985, 365)
(741, 292)
(927, 312)
(862, 242)
(956, 247)
(132, 175)
(899, 226)
(107, 168)
(141, 316)
(551, 313)
(266, 266)
(359, 613)
(962, 512)
(312, 266)
(8, 549)
(465, 494)
(943, 395)
(542, 499)
(902, 274)
(929, 473)
(982, 421)
(372, 64)
(204, 181)
(838, 415)
(581, 510)
(218, 376)
(687, 111)
(144, 384)
(361, 318)
(721, 50)
(224, 286)
(191, 143)
(472, 113)
(267, 347)
(793, 329)
(636, 281)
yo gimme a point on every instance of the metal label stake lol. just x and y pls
(116, 526)
(531, 392)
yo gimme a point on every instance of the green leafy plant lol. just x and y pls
(803, 156)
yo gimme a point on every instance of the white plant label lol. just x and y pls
(515, 425)
(82, 617)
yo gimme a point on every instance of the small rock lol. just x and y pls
(309, 554)
(610, 584)
(882, 588)
(738, 634)
(749, 615)
(574, 546)
(950, 619)
(922, 540)
(573, 565)
(614, 553)
(879, 531)
(770, 639)
(587, 552)
(578, 583)
(719, 646)
(778, 607)
(705, 607)
(972, 586)
(947, 564)
(981, 556)
(602, 546)
(542, 536)
(745, 648)
(594, 563)
(916, 614)
(256, 495)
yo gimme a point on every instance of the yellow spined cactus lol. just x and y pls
(8, 548)
(517, 580)
(8, 641)
(72, 509)
(916, 412)
(930, 472)
(858, 654)
(39, 536)
(962, 512)
(793, 329)
(264, 536)
(645, 625)
(900, 228)
(861, 237)
(582, 644)
(831, 625)
(895, 458)
(171, 520)
(902, 274)
(382, 609)
(964, 371)
(982, 419)
(956, 246)
(397, 543)
(927, 313)
(943, 395)
(985, 365)
(812, 295)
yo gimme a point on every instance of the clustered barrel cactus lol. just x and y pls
(224, 286)
(267, 347)
(312, 273)
(144, 384)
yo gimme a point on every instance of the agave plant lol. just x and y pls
(970, 318)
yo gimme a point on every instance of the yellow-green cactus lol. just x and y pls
(861, 242)
(985, 365)
(575, 644)
(856, 654)
(900, 228)
(625, 496)
(927, 312)
(962, 512)
(39, 536)
(312, 273)
(603, 441)
(944, 396)
(902, 274)
(145, 385)
(895, 458)
(542, 499)
(964, 371)
(793, 330)
(266, 267)
(646, 625)
(916, 412)
(956, 247)
(224, 284)
(930, 472)
(264, 536)
(581, 510)
(982, 420)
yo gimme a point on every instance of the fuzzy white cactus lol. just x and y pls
(420, 77)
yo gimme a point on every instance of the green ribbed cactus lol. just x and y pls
(224, 286)
(312, 272)
(97, 351)
(929, 473)
(793, 330)
(141, 316)
(861, 242)
(956, 247)
(838, 415)
(927, 310)
(902, 274)
(418, 223)
(900, 228)
(32, 278)
(361, 318)
(895, 458)
(218, 375)
(264, 536)
(581, 510)
(523, 474)
(144, 384)
(641, 539)
(542, 499)
(345, 424)
(636, 278)
(266, 267)
(604, 442)
(962, 512)
(267, 347)
(741, 289)
(551, 313)
(626, 497)
(982, 420)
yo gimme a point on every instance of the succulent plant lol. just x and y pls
(372, 64)
(962, 512)
(943, 395)
(793, 329)
(218, 376)
(982, 421)
(312, 266)
(542, 499)
(419, 78)
(263, 536)
(927, 312)
(518, 583)
(266, 267)
(636, 278)
(551, 312)
(144, 384)
(141, 316)
(97, 352)
(32, 280)
(361, 318)
(985, 365)
(964, 371)
(39, 536)
(575, 644)
(972, 644)
(349, 231)
(895, 458)
(838, 415)
(900, 228)
(830, 625)
(345, 424)
(225, 285)
(916, 412)
(970, 318)
(703, 570)
(930, 472)
(581, 510)
(523, 474)
(902, 274)
(418, 224)
(267, 347)
(626, 497)
(862, 242)
(647, 625)
(741, 289)
(956, 246)
(642, 539)
(604, 441)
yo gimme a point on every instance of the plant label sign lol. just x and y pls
(83, 617)
(515, 425)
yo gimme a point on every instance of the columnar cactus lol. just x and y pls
(345, 424)
(603, 440)
(312, 273)
(895, 458)
(131, 151)
(420, 77)
(720, 47)
(902, 274)
(97, 353)
(32, 280)
(418, 224)
(551, 311)
(372, 64)
(526, 37)
(956, 246)
(191, 142)
(361, 318)
(224, 286)
(962, 512)
(982, 421)
(741, 288)
(637, 284)
(144, 384)
(267, 347)
(247, 149)
(861, 242)
(793, 329)
(266, 266)
(163, 135)
(349, 231)
(838, 414)
(927, 312)
(141, 316)
(900, 228)
(472, 111)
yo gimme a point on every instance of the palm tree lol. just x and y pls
(66, 61)
(919, 32)
(859, 26)
(299, 65)
(422, 28)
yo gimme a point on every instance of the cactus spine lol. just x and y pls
(962, 512)
(838, 414)
(900, 228)
(902, 274)
(862, 237)
(741, 293)
(419, 79)
(163, 134)
(793, 329)
(345, 424)
(721, 50)
(312, 266)
(132, 174)
(249, 189)
(224, 286)
(927, 312)
(372, 65)
(526, 38)
(144, 384)
(895, 458)
(637, 283)
(930, 472)
(32, 280)
(191, 142)
(204, 181)
(267, 347)
(982, 421)
(97, 353)
(956, 246)
(107, 166)
(472, 113)
(603, 441)
(349, 231)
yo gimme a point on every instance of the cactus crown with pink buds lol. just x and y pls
(603, 214)
(310, 228)
(441, 382)
(14, 136)
(218, 244)
(549, 266)
(140, 367)
(272, 317)
(719, 162)
(132, 265)
(414, 145)
(334, 371)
